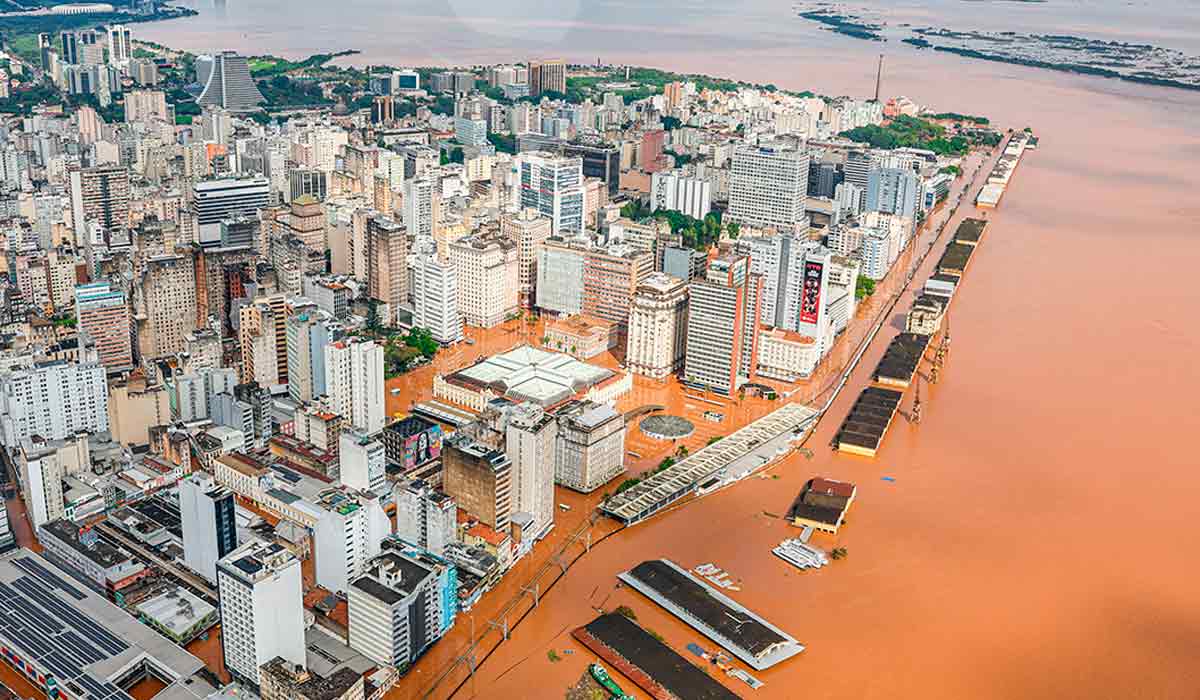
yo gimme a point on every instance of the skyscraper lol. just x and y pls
(553, 186)
(547, 76)
(262, 608)
(227, 82)
(120, 44)
(530, 441)
(354, 376)
(169, 295)
(768, 187)
(486, 266)
(103, 312)
(209, 523)
(893, 191)
(99, 194)
(722, 329)
(425, 516)
(387, 266)
(435, 299)
(215, 201)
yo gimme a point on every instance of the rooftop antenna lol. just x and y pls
(878, 77)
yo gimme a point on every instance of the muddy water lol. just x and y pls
(1039, 539)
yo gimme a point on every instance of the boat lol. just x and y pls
(607, 682)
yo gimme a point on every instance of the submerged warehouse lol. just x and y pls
(899, 363)
(747, 636)
(863, 430)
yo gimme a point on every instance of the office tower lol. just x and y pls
(262, 335)
(262, 608)
(69, 46)
(676, 191)
(768, 187)
(601, 160)
(306, 181)
(145, 104)
(610, 277)
(528, 230)
(894, 191)
(217, 200)
(227, 82)
(471, 132)
(100, 195)
(383, 109)
(103, 313)
(553, 186)
(363, 462)
(46, 50)
(560, 268)
(425, 516)
(657, 326)
(387, 264)
(169, 293)
(209, 521)
(857, 168)
(347, 535)
(354, 377)
(435, 299)
(722, 326)
(479, 479)
(547, 76)
(403, 604)
(422, 206)
(590, 448)
(530, 443)
(486, 267)
(309, 332)
(53, 400)
(120, 44)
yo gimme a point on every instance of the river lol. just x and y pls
(1039, 539)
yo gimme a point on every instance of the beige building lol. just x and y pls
(787, 355)
(134, 408)
(610, 277)
(262, 335)
(169, 295)
(281, 680)
(527, 229)
(487, 268)
(581, 336)
(657, 326)
(387, 252)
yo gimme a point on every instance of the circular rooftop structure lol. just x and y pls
(663, 426)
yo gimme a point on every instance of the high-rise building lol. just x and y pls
(53, 400)
(354, 379)
(227, 82)
(120, 44)
(404, 603)
(722, 328)
(103, 313)
(601, 160)
(387, 264)
(169, 293)
(209, 521)
(610, 277)
(262, 335)
(560, 268)
(657, 326)
(528, 230)
(553, 186)
(262, 608)
(309, 331)
(768, 187)
(894, 191)
(674, 190)
(141, 105)
(422, 206)
(215, 201)
(547, 76)
(41, 471)
(487, 268)
(435, 299)
(100, 195)
(590, 448)
(479, 479)
(347, 535)
(425, 516)
(363, 462)
(530, 442)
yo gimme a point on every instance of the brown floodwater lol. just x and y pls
(1039, 538)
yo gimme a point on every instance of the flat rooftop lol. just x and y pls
(970, 230)
(84, 641)
(900, 360)
(869, 418)
(657, 661)
(746, 635)
(955, 258)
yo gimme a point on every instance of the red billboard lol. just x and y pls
(810, 295)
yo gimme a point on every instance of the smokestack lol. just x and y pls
(878, 78)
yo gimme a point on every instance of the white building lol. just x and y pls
(590, 449)
(676, 191)
(768, 186)
(657, 326)
(397, 610)
(207, 516)
(41, 473)
(553, 185)
(53, 400)
(354, 382)
(363, 462)
(487, 270)
(530, 443)
(347, 535)
(425, 516)
(422, 197)
(262, 608)
(435, 299)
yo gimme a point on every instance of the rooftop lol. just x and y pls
(529, 374)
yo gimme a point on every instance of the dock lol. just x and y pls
(868, 421)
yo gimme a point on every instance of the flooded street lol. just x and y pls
(1039, 539)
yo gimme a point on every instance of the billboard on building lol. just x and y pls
(810, 296)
